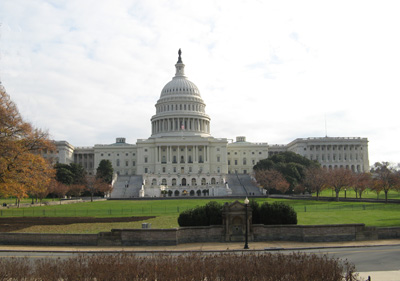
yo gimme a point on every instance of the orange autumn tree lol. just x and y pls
(21, 165)
(271, 179)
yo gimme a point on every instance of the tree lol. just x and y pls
(338, 179)
(40, 176)
(96, 185)
(105, 171)
(361, 182)
(315, 180)
(20, 148)
(70, 174)
(272, 180)
(385, 177)
(59, 189)
(291, 165)
(75, 190)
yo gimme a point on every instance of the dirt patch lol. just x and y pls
(14, 224)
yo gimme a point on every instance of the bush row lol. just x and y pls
(211, 214)
(273, 214)
(249, 266)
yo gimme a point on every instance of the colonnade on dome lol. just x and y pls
(188, 124)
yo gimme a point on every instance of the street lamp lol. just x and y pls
(246, 245)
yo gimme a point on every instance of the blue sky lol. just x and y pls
(91, 71)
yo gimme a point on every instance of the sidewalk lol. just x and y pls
(204, 247)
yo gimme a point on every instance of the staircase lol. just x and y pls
(127, 187)
(242, 185)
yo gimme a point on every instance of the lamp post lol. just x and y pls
(345, 193)
(246, 245)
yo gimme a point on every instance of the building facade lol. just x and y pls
(182, 152)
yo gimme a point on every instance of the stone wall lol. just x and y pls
(47, 239)
(175, 236)
(307, 233)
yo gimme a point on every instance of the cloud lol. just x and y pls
(90, 71)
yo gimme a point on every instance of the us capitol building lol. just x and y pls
(181, 158)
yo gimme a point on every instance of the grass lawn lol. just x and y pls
(167, 212)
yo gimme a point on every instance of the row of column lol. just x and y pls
(198, 154)
(180, 124)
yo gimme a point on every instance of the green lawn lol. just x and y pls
(167, 211)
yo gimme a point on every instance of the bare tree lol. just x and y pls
(315, 180)
(96, 185)
(386, 178)
(271, 179)
(338, 179)
(362, 181)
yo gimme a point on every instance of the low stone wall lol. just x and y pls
(388, 233)
(307, 233)
(204, 234)
(47, 239)
(175, 236)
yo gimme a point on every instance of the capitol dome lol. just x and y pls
(180, 109)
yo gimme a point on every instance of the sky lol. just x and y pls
(89, 71)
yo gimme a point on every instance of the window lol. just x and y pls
(229, 162)
(244, 161)
(127, 163)
(133, 163)
(218, 159)
(145, 160)
(117, 162)
(145, 170)
(235, 162)
(163, 169)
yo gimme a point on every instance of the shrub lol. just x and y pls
(210, 214)
(277, 213)
(249, 266)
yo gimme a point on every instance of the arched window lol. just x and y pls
(183, 182)
(193, 181)
(164, 182)
(212, 180)
(173, 182)
(203, 181)
(154, 182)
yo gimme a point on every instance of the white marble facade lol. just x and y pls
(181, 150)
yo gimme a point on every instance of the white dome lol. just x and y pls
(180, 85)
(180, 111)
